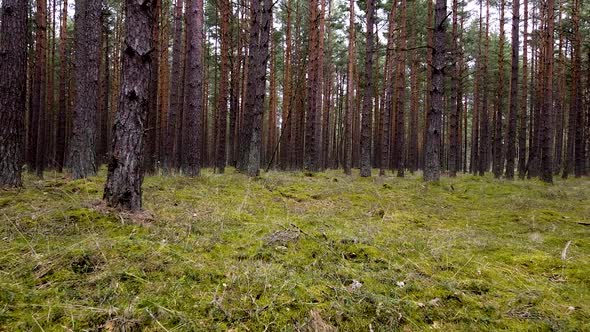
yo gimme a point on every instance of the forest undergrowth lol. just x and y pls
(297, 252)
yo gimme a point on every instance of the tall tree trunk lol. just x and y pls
(313, 114)
(224, 16)
(577, 108)
(62, 112)
(433, 137)
(348, 132)
(193, 91)
(547, 108)
(389, 91)
(558, 97)
(400, 82)
(38, 109)
(82, 156)
(286, 116)
(125, 175)
(367, 118)
(249, 161)
(522, 131)
(151, 131)
(173, 130)
(13, 70)
(498, 162)
(454, 146)
(483, 162)
(512, 116)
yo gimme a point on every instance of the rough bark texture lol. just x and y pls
(193, 90)
(313, 114)
(454, 145)
(547, 108)
(125, 175)
(498, 162)
(82, 156)
(170, 160)
(62, 111)
(367, 118)
(249, 161)
(511, 139)
(577, 107)
(221, 114)
(484, 118)
(151, 132)
(37, 129)
(399, 151)
(522, 129)
(13, 70)
(389, 99)
(286, 111)
(434, 119)
(349, 95)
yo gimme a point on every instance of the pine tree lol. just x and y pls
(367, 119)
(434, 118)
(82, 155)
(125, 175)
(13, 70)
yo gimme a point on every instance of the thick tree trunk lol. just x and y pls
(13, 70)
(367, 118)
(125, 175)
(547, 108)
(249, 161)
(193, 91)
(82, 156)
(433, 137)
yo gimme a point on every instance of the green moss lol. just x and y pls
(469, 253)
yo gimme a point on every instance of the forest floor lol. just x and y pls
(290, 251)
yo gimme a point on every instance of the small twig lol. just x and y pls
(157, 321)
(37, 322)
(564, 252)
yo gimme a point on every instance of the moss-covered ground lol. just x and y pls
(290, 251)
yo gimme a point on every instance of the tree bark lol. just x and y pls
(367, 117)
(349, 94)
(498, 160)
(512, 116)
(125, 175)
(224, 16)
(547, 108)
(13, 70)
(433, 137)
(193, 91)
(522, 131)
(82, 154)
